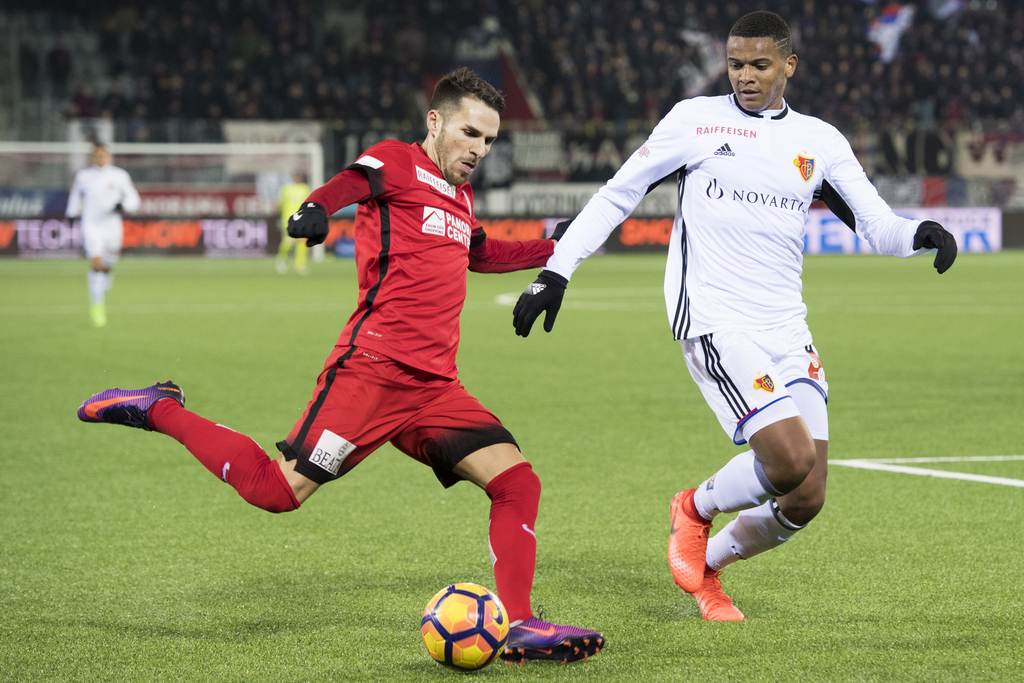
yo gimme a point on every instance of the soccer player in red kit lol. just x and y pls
(391, 376)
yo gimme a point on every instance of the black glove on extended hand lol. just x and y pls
(310, 221)
(560, 229)
(544, 294)
(931, 235)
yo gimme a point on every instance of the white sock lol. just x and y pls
(752, 532)
(97, 286)
(740, 485)
(110, 279)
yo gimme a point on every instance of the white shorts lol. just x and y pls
(104, 241)
(745, 376)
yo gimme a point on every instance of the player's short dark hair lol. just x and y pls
(765, 24)
(462, 82)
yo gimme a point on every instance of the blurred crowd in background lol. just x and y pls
(957, 63)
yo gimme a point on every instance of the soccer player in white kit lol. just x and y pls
(747, 167)
(99, 195)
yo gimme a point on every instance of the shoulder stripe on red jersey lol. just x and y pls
(373, 175)
(368, 161)
(383, 260)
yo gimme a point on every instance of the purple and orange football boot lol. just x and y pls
(538, 639)
(128, 407)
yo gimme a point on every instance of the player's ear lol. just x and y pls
(434, 121)
(791, 63)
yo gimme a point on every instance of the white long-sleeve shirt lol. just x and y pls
(96, 191)
(745, 182)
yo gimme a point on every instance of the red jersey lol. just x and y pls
(415, 236)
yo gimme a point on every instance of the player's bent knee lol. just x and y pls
(519, 482)
(790, 468)
(260, 482)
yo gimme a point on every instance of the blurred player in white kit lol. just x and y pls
(99, 195)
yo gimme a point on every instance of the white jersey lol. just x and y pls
(94, 194)
(745, 182)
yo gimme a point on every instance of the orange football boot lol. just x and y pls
(714, 604)
(687, 543)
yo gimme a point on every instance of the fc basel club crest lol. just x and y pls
(805, 165)
(765, 383)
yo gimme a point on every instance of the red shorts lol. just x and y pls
(364, 399)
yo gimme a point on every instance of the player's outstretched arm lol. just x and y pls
(543, 295)
(931, 235)
(351, 186)
(501, 256)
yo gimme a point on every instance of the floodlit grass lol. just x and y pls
(123, 559)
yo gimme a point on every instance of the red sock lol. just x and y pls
(515, 495)
(233, 457)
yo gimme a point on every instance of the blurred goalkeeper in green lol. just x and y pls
(291, 198)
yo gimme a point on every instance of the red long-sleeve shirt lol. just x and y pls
(415, 236)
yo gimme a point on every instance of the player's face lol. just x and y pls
(100, 156)
(463, 138)
(758, 72)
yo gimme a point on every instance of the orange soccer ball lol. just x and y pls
(464, 627)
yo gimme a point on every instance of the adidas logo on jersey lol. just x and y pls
(725, 151)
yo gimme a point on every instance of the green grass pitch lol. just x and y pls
(123, 559)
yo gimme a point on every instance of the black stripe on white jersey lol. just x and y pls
(713, 364)
(681, 319)
(834, 201)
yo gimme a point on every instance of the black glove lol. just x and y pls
(119, 209)
(560, 229)
(310, 221)
(544, 294)
(931, 235)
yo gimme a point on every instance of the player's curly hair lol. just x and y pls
(462, 82)
(765, 24)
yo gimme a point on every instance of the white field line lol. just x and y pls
(969, 458)
(886, 465)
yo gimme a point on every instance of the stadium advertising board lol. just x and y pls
(183, 202)
(536, 200)
(32, 202)
(62, 238)
(975, 229)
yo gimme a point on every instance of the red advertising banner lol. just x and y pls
(162, 235)
(644, 232)
(6, 235)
